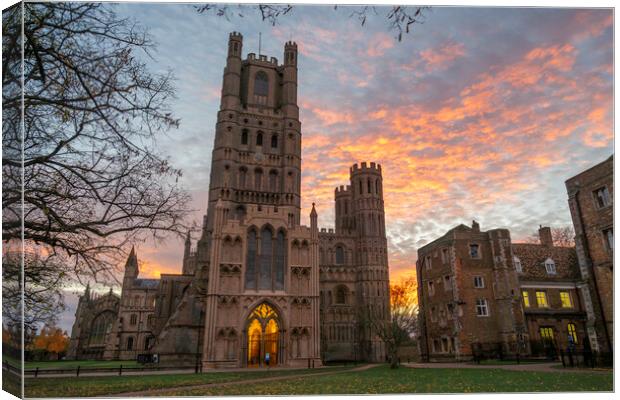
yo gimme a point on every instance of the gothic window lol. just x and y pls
(273, 181)
(261, 84)
(266, 254)
(280, 261)
(133, 319)
(360, 186)
(240, 213)
(369, 188)
(130, 343)
(339, 255)
(274, 141)
(243, 172)
(250, 273)
(258, 179)
(100, 327)
(259, 139)
(244, 136)
(572, 333)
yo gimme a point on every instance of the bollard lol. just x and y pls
(120, 370)
(78, 371)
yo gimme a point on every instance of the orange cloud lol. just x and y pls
(441, 57)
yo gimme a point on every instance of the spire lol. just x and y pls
(131, 266)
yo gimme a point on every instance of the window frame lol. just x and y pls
(518, 265)
(550, 263)
(567, 296)
(481, 279)
(543, 296)
(482, 308)
(478, 255)
(606, 197)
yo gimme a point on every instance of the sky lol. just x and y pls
(478, 113)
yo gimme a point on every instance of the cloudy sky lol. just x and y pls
(478, 113)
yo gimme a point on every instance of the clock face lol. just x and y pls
(258, 156)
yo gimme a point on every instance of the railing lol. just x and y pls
(576, 358)
(80, 370)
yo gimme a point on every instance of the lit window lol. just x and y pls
(550, 266)
(474, 251)
(541, 299)
(482, 308)
(546, 334)
(601, 195)
(566, 300)
(478, 282)
(526, 298)
(431, 288)
(572, 333)
(608, 234)
(517, 263)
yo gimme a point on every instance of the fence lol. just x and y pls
(80, 371)
(580, 358)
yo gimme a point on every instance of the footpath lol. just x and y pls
(163, 392)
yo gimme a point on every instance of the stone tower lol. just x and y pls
(366, 195)
(257, 151)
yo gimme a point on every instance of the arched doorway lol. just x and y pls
(263, 336)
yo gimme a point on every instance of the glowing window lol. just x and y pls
(566, 300)
(526, 298)
(541, 299)
(572, 333)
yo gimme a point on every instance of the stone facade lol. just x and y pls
(590, 199)
(479, 290)
(258, 287)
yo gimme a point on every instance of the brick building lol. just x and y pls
(477, 289)
(590, 199)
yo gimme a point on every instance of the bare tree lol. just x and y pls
(399, 18)
(92, 178)
(563, 236)
(400, 326)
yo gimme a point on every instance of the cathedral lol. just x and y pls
(257, 288)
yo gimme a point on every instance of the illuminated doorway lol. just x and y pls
(263, 336)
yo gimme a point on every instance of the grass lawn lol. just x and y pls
(382, 380)
(98, 386)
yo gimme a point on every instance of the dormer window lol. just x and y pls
(550, 266)
(517, 262)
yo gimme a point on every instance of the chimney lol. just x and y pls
(475, 226)
(544, 233)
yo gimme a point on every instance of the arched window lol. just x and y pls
(280, 261)
(273, 181)
(339, 255)
(261, 84)
(361, 187)
(133, 319)
(341, 295)
(250, 273)
(259, 139)
(266, 255)
(130, 343)
(244, 136)
(369, 187)
(100, 327)
(377, 186)
(242, 177)
(274, 141)
(258, 179)
(240, 213)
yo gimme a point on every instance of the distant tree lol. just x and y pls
(399, 18)
(52, 341)
(92, 179)
(401, 324)
(562, 236)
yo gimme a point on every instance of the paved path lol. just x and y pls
(532, 367)
(164, 391)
